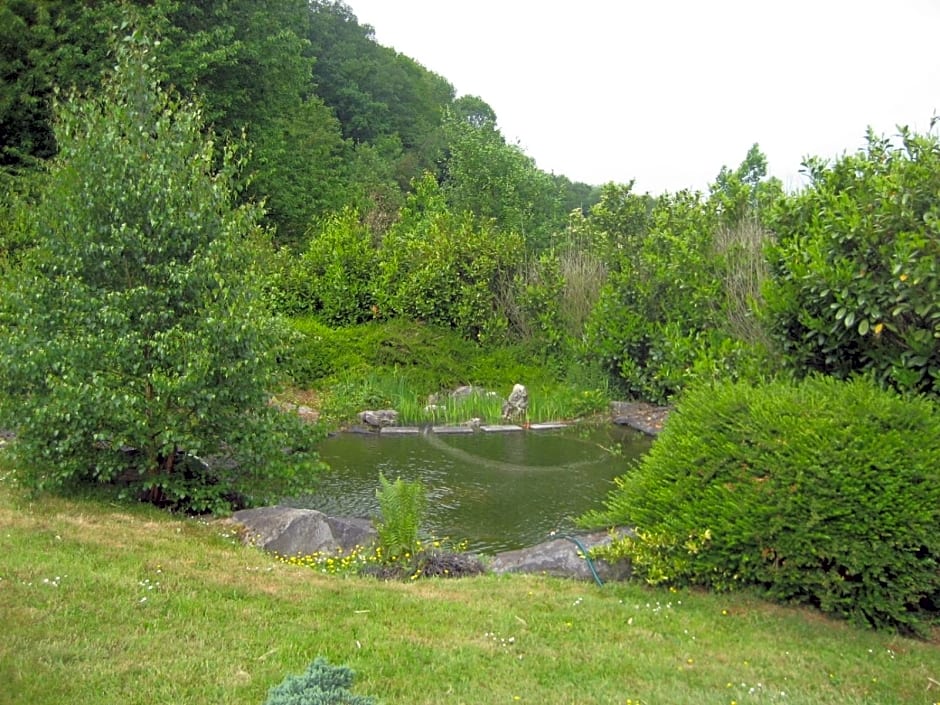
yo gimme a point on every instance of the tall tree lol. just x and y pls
(136, 324)
(483, 174)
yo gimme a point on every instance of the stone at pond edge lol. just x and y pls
(560, 557)
(641, 416)
(288, 531)
(379, 418)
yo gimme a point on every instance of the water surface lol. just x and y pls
(497, 491)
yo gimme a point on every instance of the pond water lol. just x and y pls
(496, 491)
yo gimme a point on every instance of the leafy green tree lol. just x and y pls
(856, 266)
(300, 169)
(376, 92)
(133, 339)
(747, 192)
(654, 316)
(474, 110)
(444, 268)
(484, 175)
(45, 45)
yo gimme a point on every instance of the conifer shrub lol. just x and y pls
(824, 493)
(320, 684)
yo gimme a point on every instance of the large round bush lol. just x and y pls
(825, 493)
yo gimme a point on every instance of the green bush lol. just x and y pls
(825, 493)
(856, 269)
(648, 323)
(446, 268)
(321, 684)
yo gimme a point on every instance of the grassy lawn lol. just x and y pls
(108, 604)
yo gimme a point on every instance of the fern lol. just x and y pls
(402, 506)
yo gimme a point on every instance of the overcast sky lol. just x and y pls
(668, 91)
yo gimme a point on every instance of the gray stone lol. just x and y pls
(501, 428)
(288, 531)
(517, 404)
(560, 557)
(379, 418)
(452, 429)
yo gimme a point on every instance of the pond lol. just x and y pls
(495, 490)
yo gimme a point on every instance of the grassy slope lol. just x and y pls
(106, 604)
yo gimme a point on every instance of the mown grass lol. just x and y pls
(101, 603)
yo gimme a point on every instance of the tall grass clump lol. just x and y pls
(825, 493)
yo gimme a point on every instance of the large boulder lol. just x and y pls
(288, 531)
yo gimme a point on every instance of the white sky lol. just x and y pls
(668, 91)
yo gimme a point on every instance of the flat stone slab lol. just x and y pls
(400, 431)
(452, 429)
(547, 426)
(501, 428)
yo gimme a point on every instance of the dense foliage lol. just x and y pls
(683, 284)
(407, 240)
(856, 266)
(825, 493)
(134, 339)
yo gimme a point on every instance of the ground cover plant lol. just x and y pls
(102, 604)
(824, 493)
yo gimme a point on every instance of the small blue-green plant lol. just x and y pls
(321, 684)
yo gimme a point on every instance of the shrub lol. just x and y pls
(446, 268)
(321, 684)
(856, 270)
(825, 493)
(649, 320)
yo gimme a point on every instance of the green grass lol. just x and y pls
(102, 603)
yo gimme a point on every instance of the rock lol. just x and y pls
(641, 416)
(288, 531)
(517, 404)
(380, 418)
(560, 557)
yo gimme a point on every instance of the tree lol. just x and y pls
(133, 339)
(484, 175)
(746, 192)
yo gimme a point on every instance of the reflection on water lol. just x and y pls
(497, 491)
